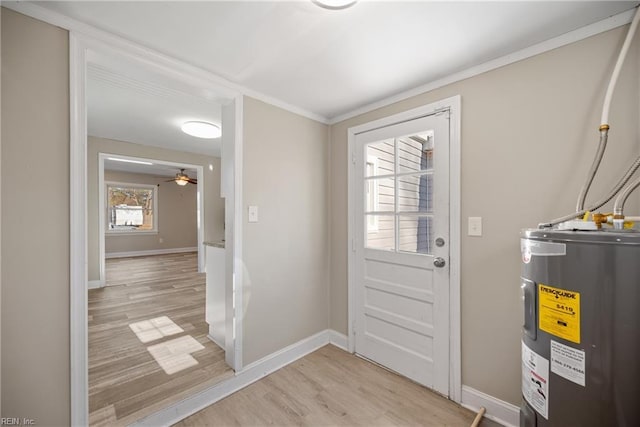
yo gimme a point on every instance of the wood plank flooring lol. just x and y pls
(333, 388)
(148, 344)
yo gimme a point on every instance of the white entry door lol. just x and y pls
(401, 245)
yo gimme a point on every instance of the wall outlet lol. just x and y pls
(475, 226)
(161, 240)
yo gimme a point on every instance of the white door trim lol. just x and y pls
(79, 357)
(452, 104)
(102, 205)
(81, 47)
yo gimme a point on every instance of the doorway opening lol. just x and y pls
(129, 232)
(125, 104)
(149, 324)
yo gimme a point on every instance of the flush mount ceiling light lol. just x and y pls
(201, 129)
(334, 4)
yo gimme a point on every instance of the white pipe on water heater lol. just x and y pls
(616, 70)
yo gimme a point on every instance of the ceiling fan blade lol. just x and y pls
(192, 181)
(170, 180)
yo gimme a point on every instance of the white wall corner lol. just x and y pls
(339, 340)
(497, 410)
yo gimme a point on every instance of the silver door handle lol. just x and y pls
(439, 262)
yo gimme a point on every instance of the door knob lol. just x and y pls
(439, 262)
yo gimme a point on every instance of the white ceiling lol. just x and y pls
(146, 112)
(331, 62)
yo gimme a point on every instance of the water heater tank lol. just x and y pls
(581, 333)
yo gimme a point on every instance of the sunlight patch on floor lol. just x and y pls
(175, 355)
(153, 329)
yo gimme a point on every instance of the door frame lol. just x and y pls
(82, 48)
(453, 105)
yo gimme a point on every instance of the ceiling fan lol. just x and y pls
(183, 179)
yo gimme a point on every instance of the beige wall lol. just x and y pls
(35, 220)
(213, 204)
(177, 216)
(529, 132)
(285, 253)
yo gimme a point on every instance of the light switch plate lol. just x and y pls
(253, 214)
(475, 226)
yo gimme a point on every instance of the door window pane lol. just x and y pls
(380, 232)
(415, 193)
(399, 193)
(415, 153)
(379, 195)
(381, 156)
(415, 234)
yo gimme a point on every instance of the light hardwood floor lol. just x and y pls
(159, 300)
(333, 388)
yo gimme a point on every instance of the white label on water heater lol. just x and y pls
(568, 362)
(535, 380)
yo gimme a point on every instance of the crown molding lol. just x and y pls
(537, 49)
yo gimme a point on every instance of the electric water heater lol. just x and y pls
(581, 330)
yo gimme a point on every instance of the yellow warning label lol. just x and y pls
(559, 312)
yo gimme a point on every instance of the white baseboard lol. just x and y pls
(149, 252)
(95, 284)
(339, 340)
(250, 374)
(497, 410)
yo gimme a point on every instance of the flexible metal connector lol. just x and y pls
(618, 207)
(600, 203)
(604, 136)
